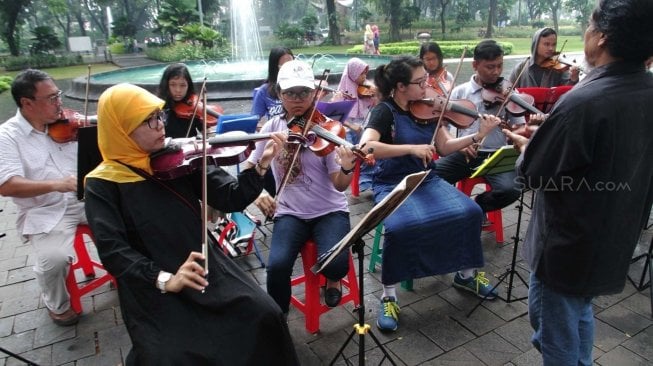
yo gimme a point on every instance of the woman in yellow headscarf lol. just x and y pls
(148, 233)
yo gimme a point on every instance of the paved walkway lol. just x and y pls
(434, 328)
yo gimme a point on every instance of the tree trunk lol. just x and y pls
(395, 18)
(334, 30)
(490, 18)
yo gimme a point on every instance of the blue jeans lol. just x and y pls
(505, 190)
(563, 325)
(289, 236)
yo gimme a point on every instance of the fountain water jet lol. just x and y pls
(245, 39)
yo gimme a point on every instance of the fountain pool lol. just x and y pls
(225, 80)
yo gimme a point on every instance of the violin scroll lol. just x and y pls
(65, 128)
(517, 104)
(195, 107)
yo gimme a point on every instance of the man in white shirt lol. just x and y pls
(40, 175)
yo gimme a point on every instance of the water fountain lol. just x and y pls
(245, 39)
(226, 79)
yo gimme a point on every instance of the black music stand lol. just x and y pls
(354, 239)
(501, 161)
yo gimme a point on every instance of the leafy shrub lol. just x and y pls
(184, 52)
(4, 83)
(118, 48)
(450, 49)
(42, 61)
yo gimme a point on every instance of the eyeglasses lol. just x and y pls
(52, 99)
(421, 82)
(291, 95)
(154, 119)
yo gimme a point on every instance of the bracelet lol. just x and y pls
(346, 171)
(474, 140)
(262, 168)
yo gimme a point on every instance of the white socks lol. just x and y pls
(467, 273)
(389, 290)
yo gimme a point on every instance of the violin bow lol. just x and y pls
(295, 155)
(88, 81)
(205, 215)
(197, 104)
(506, 99)
(446, 103)
(511, 89)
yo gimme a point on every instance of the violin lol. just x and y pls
(194, 107)
(517, 104)
(438, 81)
(366, 91)
(558, 63)
(329, 134)
(461, 112)
(182, 156)
(65, 128)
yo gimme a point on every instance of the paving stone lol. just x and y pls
(414, 349)
(113, 338)
(622, 357)
(481, 321)
(18, 342)
(530, 358)
(96, 321)
(6, 326)
(12, 263)
(20, 275)
(72, 349)
(457, 357)
(51, 333)
(492, 349)
(106, 358)
(621, 318)
(639, 302)
(607, 337)
(642, 344)
(31, 320)
(447, 333)
(518, 332)
(39, 356)
(18, 305)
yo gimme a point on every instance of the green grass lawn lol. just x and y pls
(70, 72)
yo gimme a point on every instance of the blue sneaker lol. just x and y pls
(478, 284)
(388, 315)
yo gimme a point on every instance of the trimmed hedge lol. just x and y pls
(185, 52)
(5, 83)
(450, 49)
(12, 63)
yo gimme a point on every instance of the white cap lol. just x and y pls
(295, 73)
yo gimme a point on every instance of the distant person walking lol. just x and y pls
(375, 31)
(368, 40)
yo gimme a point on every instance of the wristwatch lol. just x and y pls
(162, 279)
(346, 171)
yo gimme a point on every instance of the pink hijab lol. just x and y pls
(354, 68)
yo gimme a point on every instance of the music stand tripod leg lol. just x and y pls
(361, 328)
(510, 272)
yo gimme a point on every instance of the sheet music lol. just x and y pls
(377, 214)
(502, 160)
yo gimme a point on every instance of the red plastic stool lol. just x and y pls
(495, 217)
(355, 190)
(312, 307)
(88, 266)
